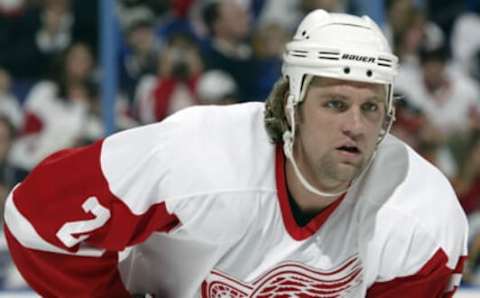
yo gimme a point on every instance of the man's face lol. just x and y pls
(233, 20)
(434, 74)
(142, 39)
(338, 126)
(79, 62)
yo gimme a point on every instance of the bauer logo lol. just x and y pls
(353, 57)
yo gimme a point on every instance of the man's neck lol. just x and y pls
(306, 200)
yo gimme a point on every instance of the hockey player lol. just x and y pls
(306, 196)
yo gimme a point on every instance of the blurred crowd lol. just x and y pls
(177, 53)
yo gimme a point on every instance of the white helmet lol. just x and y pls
(337, 46)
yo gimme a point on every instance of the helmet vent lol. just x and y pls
(329, 55)
(385, 62)
(299, 53)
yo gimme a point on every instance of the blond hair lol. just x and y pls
(274, 117)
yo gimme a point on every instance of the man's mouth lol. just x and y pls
(349, 149)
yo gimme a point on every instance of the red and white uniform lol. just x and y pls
(197, 206)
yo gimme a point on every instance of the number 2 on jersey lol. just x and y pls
(91, 205)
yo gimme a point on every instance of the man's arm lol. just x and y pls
(64, 225)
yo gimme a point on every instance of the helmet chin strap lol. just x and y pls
(288, 140)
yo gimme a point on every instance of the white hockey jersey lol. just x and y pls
(197, 206)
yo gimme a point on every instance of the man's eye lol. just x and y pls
(336, 105)
(370, 107)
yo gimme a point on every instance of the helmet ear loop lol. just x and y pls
(288, 141)
(290, 110)
(289, 134)
(387, 124)
(389, 115)
(287, 107)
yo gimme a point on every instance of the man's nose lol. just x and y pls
(354, 122)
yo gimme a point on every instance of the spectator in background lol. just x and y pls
(288, 13)
(7, 179)
(268, 42)
(445, 99)
(397, 17)
(9, 276)
(418, 32)
(142, 48)
(408, 29)
(56, 33)
(174, 86)
(76, 66)
(43, 32)
(9, 104)
(467, 184)
(409, 121)
(226, 49)
(216, 87)
(178, 19)
(413, 127)
(55, 110)
(465, 44)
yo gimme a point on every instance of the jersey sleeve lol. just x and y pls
(434, 279)
(416, 259)
(415, 235)
(67, 221)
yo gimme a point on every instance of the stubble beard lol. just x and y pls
(327, 172)
(337, 173)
